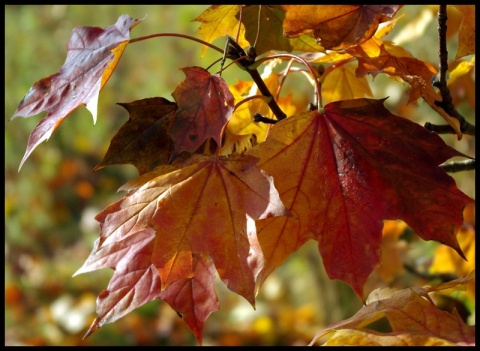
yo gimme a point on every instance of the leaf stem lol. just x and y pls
(301, 60)
(248, 99)
(177, 35)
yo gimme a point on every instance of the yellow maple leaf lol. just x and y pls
(342, 84)
(218, 21)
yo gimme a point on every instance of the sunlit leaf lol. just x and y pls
(92, 55)
(218, 21)
(352, 337)
(411, 313)
(341, 173)
(466, 32)
(194, 299)
(168, 220)
(336, 27)
(342, 84)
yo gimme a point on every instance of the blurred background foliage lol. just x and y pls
(51, 203)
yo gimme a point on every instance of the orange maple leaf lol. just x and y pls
(336, 27)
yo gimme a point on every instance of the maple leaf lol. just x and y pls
(218, 21)
(416, 72)
(353, 337)
(143, 140)
(341, 173)
(194, 299)
(412, 315)
(466, 32)
(205, 105)
(208, 207)
(342, 84)
(271, 18)
(92, 55)
(135, 281)
(336, 27)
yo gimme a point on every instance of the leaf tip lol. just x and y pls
(95, 325)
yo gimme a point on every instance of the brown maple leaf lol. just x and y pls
(416, 72)
(341, 173)
(92, 55)
(143, 140)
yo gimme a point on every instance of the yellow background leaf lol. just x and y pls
(218, 21)
(466, 32)
(342, 84)
(352, 337)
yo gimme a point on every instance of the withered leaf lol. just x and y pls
(92, 55)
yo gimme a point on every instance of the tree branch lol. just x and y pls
(452, 167)
(235, 52)
(446, 104)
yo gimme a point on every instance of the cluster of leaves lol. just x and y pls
(235, 178)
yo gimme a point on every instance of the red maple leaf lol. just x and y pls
(205, 105)
(341, 173)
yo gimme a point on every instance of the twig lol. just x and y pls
(257, 117)
(235, 52)
(446, 104)
(459, 166)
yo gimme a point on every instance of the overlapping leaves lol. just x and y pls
(155, 235)
(332, 176)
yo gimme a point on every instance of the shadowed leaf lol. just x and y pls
(143, 140)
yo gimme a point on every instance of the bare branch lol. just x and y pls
(452, 167)
(446, 104)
